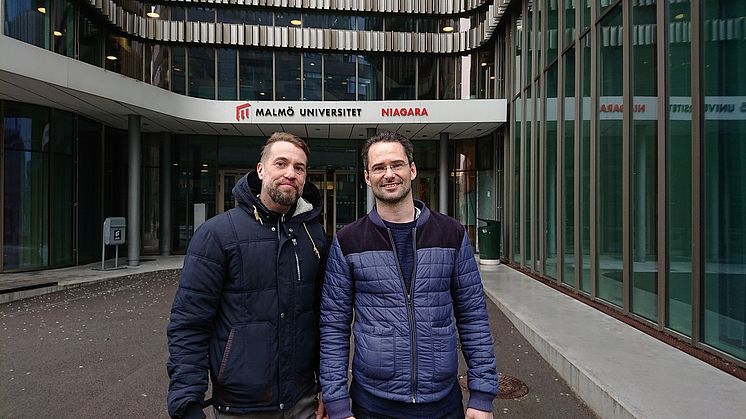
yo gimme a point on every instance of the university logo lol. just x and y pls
(242, 111)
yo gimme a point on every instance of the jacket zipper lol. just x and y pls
(410, 308)
(297, 261)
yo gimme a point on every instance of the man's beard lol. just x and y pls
(280, 198)
(395, 199)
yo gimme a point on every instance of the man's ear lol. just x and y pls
(260, 170)
(413, 170)
(367, 177)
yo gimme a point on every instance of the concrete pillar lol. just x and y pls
(133, 192)
(371, 200)
(164, 237)
(443, 174)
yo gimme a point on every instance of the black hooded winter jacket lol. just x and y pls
(246, 309)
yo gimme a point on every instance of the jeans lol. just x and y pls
(304, 409)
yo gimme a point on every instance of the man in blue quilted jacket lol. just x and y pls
(410, 277)
(246, 310)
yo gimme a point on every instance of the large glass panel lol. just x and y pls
(63, 135)
(255, 74)
(610, 202)
(585, 165)
(227, 74)
(517, 55)
(400, 77)
(202, 72)
(428, 77)
(466, 186)
(724, 287)
(63, 27)
(124, 56)
(400, 24)
(551, 36)
(528, 175)
(26, 187)
(200, 14)
(339, 76)
(679, 161)
(178, 70)
(517, 109)
(311, 76)
(157, 65)
(485, 178)
(528, 32)
(287, 81)
(550, 175)
(644, 291)
(370, 77)
(89, 192)
(569, 24)
(244, 16)
(150, 192)
(25, 20)
(369, 23)
(447, 77)
(483, 74)
(568, 171)
(90, 39)
(328, 21)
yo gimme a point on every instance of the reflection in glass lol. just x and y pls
(370, 76)
(25, 22)
(63, 29)
(178, 70)
(428, 77)
(255, 74)
(550, 176)
(124, 56)
(311, 76)
(156, 65)
(518, 57)
(90, 40)
(328, 21)
(517, 164)
(724, 240)
(568, 171)
(400, 77)
(227, 74)
(610, 204)
(529, 178)
(569, 31)
(244, 16)
(339, 76)
(89, 192)
(585, 165)
(551, 38)
(447, 77)
(369, 23)
(202, 72)
(287, 80)
(200, 14)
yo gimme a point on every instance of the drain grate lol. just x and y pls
(509, 386)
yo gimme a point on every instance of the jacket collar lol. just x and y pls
(419, 205)
(247, 191)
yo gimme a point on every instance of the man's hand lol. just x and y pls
(321, 410)
(477, 414)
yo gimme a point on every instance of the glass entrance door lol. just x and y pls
(227, 179)
(340, 196)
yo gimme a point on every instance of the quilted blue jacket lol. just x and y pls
(246, 310)
(405, 340)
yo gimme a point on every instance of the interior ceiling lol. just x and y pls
(113, 113)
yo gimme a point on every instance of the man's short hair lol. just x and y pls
(388, 137)
(284, 136)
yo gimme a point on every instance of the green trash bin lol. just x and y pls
(489, 242)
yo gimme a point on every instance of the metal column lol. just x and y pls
(370, 199)
(164, 237)
(443, 174)
(133, 192)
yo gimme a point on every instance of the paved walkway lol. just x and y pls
(618, 371)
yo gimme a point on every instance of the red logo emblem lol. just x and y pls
(242, 111)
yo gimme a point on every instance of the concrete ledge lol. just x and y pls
(618, 371)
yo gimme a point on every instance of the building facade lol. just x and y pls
(605, 135)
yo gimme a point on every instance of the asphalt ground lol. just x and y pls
(99, 351)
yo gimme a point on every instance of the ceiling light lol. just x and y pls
(111, 58)
(153, 14)
(447, 28)
(492, 77)
(312, 64)
(41, 10)
(484, 64)
(57, 33)
(261, 93)
(295, 22)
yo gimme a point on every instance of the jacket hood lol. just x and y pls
(249, 187)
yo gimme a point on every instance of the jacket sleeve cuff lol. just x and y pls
(480, 401)
(193, 410)
(338, 409)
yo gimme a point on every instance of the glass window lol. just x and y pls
(287, 80)
(644, 287)
(62, 179)
(328, 21)
(610, 203)
(370, 77)
(679, 176)
(124, 56)
(517, 57)
(63, 29)
(568, 171)
(288, 18)
(90, 40)
(157, 65)
(26, 186)
(517, 164)
(255, 75)
(400, 77)
(339, 76)
(227, 74)
(447, 77)
(528, 32)
(483, 74)
(177, 13)
(25, 20)
(89, 192)
(202, 72)
(311, 76)
(569, 22)
(528, 181)
(178, 70)
(201, 14)
(369, 23)
(244, 16)
(466, 186)
(550, 175)
(551, 35)
(400, 24)
(428, 77)
(585, 164)
(724, 240)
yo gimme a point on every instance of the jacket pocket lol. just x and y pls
(445, 353)
(375, 348)
(248, 362)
